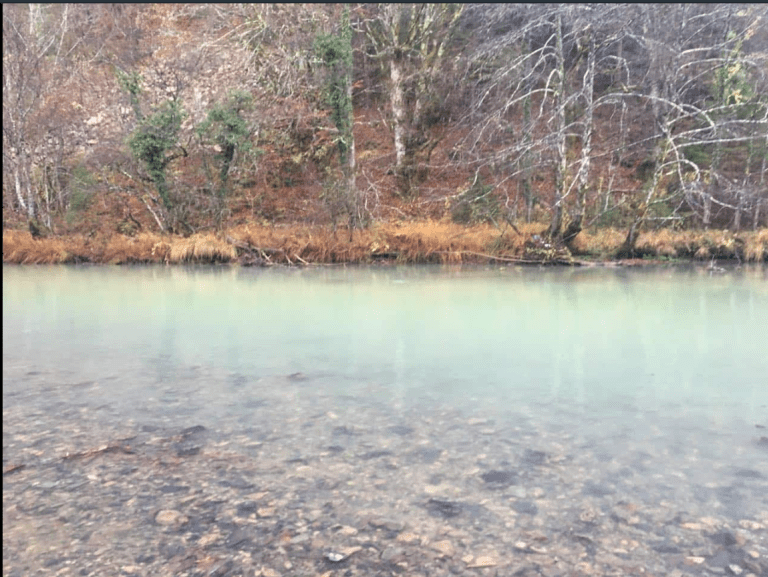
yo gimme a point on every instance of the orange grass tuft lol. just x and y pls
(756, 246)
(705, 244)
(201, 248)
(697, 244)
(602, 242)
(143, 248)
(21, 248)
(448, 242)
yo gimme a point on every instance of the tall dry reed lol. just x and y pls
(407, 242)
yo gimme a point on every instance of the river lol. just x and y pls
(617, 385)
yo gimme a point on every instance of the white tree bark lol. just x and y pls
(353, 194)
(410, 39)
(35, 14)
(588, 86)
(17, 182)
(561, 161)
(397, 101)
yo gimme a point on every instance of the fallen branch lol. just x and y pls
(239, 244)
(261, 253)
(508, 258)
(14, 469)
(112, 448)
(250, 247)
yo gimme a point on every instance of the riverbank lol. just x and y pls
(417, 242)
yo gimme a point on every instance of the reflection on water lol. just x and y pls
(659, 371)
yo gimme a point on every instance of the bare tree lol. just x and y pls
(540, 62)
(411, 40)
(49, 49)
(539, 74)
(693, 130)
(25, 45)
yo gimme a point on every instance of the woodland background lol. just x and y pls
(122, 120)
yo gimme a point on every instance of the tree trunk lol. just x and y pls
(405, 157)
(561, 162)
(17, 187)
(706, 219)
(574, 227)
(35, 17)
(353, 195)
(654, 67)
(628, 248)
(26, 184)
(397, 100)
(759, 199)
(527, 128)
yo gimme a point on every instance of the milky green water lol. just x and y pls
(664, 339)
(666, 365)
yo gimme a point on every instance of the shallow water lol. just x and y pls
(652, 384)
(595, 340)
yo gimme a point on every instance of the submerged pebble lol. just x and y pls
(312, 486)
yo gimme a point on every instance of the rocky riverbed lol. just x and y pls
(299, 483)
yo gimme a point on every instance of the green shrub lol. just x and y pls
(131, 83)
(335, 52)
(151, 141)
(225, 128)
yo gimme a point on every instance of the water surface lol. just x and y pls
(656, 370)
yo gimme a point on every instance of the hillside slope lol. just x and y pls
(81, 180)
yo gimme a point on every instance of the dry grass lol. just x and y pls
(454, 243)
(756, 246)
(696, 244)
(415, 242)
(20, 248)
(201, 248)
(602, 243)
(154, 248)
(665, 243)
(705, 244)
(143, 248)
(409, 242)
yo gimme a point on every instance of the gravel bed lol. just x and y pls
(296, 483)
